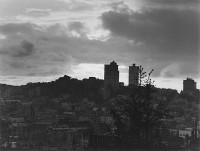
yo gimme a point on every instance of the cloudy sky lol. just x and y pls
(41, 40)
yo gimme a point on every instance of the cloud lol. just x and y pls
(15, 30)
(26, 48)
(163, 39)
(79, 5)
(168, 29)
(171, 4)
(53, 50)
(78, 27)
(17, 65)
(33, 50)
(86, 70)
(19, 7)
(45, 39)
(120, 7)
(165, 36)
(38, 12)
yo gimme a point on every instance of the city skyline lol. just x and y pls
(43, 40)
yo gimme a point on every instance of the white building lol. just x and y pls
(185, 132)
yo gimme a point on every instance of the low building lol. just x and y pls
(185, 132)
(69, 135)
(12, 101)
(108, 119)
(28, 134)
(16, 119)
(173, 132)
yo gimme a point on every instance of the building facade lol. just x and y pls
(189, 88)
(189, 85)
(133, 75)
(28, 134)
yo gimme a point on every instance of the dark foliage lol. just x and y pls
(137, 118)
(77, 89)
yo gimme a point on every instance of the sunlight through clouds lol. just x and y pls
(50, 38)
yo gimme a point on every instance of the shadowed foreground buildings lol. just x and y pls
(71, 113)
(28, 133)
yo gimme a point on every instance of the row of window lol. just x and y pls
(183, 134)
(27, 130)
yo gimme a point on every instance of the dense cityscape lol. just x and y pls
(99, 75)
(90, 114)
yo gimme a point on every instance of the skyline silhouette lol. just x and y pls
(44, 40)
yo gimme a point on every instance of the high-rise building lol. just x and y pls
(189, 88)
(189, 85)
(133, 75)
(111, 76)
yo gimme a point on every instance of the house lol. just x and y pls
(185, 132)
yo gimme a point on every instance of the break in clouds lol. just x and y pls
(163, 38)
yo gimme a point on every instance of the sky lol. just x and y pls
(41, 40)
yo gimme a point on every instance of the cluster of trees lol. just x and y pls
(79, 89)
(137, 119)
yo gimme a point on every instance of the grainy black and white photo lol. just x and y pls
(99, 75)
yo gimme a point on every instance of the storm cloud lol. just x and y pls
(169, 35)
(170, 30)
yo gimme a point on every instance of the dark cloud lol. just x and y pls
(26, 48)
(192, 67)
(53, 47)
(164, 36)
(169, 29)
(17, 30)
(33, 56)
(78, 27)
(36, 51)
(173, 4)
(17, 65)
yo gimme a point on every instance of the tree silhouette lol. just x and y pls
(136, 117)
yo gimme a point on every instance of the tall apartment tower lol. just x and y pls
(189, 85)
(133, 75)
(111, 75)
